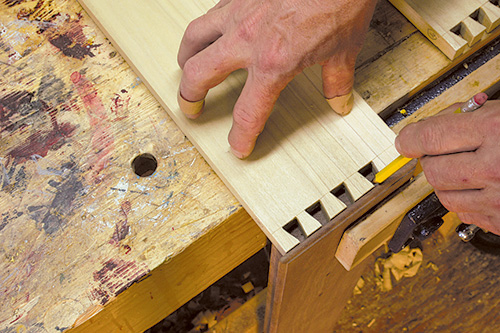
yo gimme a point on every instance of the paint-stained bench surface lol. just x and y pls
(79, 231)
(77, 225)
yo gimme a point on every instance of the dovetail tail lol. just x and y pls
(489, 15)
(308, 223)
(333, 205)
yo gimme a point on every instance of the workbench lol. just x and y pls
(89, 243)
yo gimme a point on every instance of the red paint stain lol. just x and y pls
(71, 40)
(127, 249)
(122, 228)
(120, 106)
(12, 120)
(102, 141)
(115, 276)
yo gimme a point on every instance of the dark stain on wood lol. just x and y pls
(72, 42)
(21, 111)
(122, 228)
(61, 207)
(115, 276)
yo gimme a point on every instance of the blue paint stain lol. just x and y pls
(136, 83)
(233, 209)
(167, 199)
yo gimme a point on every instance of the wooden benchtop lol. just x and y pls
(77, 226)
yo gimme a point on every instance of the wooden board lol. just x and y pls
(77, 226)
(306, 150)
(453, 26)
(455, 290)
(361, 240)
(308, 287)
(174, 283)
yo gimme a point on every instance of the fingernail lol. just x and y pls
(342, 104)
(190, 109)
(238, 154)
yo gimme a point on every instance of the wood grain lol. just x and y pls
(308, 287)
(361, 240)
(77, 225)
(177, 280)
(453, 26)
(455, 290)
(280, 180)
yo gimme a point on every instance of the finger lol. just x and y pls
(199, 34)
(251, 112)
(205, 70)
(472, 218)
(465, 201)
(483, 221)
(219, 5)
(442, 134)
(462, 171)
(338, 80)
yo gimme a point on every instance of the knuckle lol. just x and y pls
(247, 29)
(343, 82)
(490, 170)
(274, 59)
(431, 174)
(447, 202)
(495, 204)
(492, 124)
(493, 173)
(192, 70)
(247, 120)
(191, 33)
(431, 140)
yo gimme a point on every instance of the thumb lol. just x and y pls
(338, 80)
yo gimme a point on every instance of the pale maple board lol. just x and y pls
(452, 25)
(306, 150)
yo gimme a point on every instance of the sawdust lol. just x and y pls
(399, 265)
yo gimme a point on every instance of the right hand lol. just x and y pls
(460, 156)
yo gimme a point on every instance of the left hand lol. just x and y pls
(273, 40)
(460, 156)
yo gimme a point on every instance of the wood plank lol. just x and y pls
(485, 79)
(77, 225)
(451, 25)
(455, 290)
(175, 282)
(304, 282)
(272, 184)
(361, 240)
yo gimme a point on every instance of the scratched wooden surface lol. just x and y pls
(72, 117)
(77, 226)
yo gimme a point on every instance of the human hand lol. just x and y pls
(273, 40)
(460, 156)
